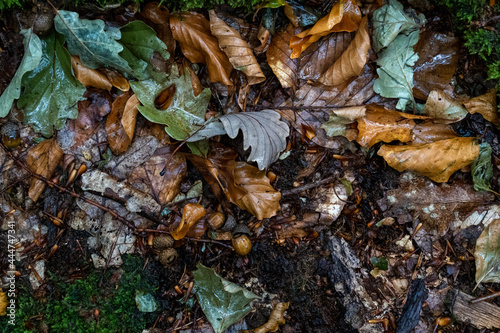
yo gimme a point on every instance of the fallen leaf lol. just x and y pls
(145, 302)
(275, 319)
(391, 20)
(344, 16)
(437, 160)
(482, 168)
(51, 92)
(237, 50)
(118, 139)
(158, 17)
(190, 215)
(428, 132)
(117, 79)
(487, 254)
(446, 109)
(42, 160)
(89, 77)
(437, 62)
(31, 60)
(129, 116)
(486, 105)
(3, 303)
(161, 175)
(223, 302)
(247, 30)
(300, 15)
(192, 31)
(278, 58)
(352, 61)
(337, 124)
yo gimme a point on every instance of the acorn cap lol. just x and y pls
(167, 256)
(241, 229)
(163, 242)
(230, 223)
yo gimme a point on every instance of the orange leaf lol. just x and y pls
(129, 117)
(278, 58)
(192, 31)
(117, 79)
(486, 105)
(118, 139)
(42, 160)
(437, 160)
(352, 61)
(190, 215)
(3, 303)
(238, 51)
(344, 16)
(89, 77)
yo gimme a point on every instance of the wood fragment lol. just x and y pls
(481, 314)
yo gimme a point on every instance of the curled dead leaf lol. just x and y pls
(42, 160)
(190, 215)
(129, 117)
(278, 58)
(164, 98)
(275, 319)
(89, 77)
(352, 61)
(486, 105)
(344, 16)
(440, 105)
(192, 31)
(118, 139)
(437, 160)
(238, 51)
(116, 78)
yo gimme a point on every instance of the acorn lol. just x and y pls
(167, 256)
(216, 220)
(242, 245)
(11, 137)
(230, 223)
(163, 242)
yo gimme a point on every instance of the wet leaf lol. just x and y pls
(440, 105)
(129, 116)
(487, 254)
(237, 50)
(3, 303)
(185, 114)
(42, 160)
(95, 43)
(396, 70)
(482, 168)
(486, 105)
(338, 119)
(299, 14)
(158, 17)
(352, 61)
(31, 60)
(117, 79)
(89, 77)
(437, 160)
(275, 319)
(391, 20)
(139, 43)
(278, 58)
(145, 301)
(344, 16)
(437, 62)
(223, 302)
(51, 92)
(118, 139)
(192, 31)
(428, 132)
(190, 215)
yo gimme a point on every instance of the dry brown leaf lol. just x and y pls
(437, 160)
(161, 175)
(237, 50)
(352, 61)
(437, 62)
(3, 303)
(158, 17)
(429, 132)
(190, 215)
(275, 319)
(278, 58)
(192, 31)
(89, 77)
(43, 160)
(118, 139)
(344, 16)
(486, 105)
(440, 105)
(116, 78)
(129, 117)
(384, 125)
(248, 31)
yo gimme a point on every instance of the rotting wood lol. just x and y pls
(481, 315)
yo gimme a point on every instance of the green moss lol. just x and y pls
(464, 11)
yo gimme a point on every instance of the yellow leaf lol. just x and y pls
(3, 303)
(486, 105)
(190, 215)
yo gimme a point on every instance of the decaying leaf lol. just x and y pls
(300, 15)
(482, 168)
(42, 160)
(278, 58)
(486, 105)
(192, 31)
(275, 319)
(118, 139)
(158, 17)
(129, 116)
(344, 16)
(3, 303)
(190, 215)
(487, 254)
(352, 61)
(429, 131)
(51, 92)
(437, 160)
(89, 77)
(237, 50)
(223, 302)
(446, 109)
(391, 20)
(31, 60)
(340, 118)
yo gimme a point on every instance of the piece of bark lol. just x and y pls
(410, 316)
(481, 314)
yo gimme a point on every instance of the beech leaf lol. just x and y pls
(51, 92)
(89, 77)
(118, 139)
(437, 160)
(440, 105)
(482, 168)
(223, 302)
(278, 58)
(487, 254)
(391, 20)
(190, 215)
(31, 60)
(396, 70)
(95, 43)
(237, 50)
(486, 105)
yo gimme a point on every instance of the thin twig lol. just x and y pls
(308, 186)
(485, 298)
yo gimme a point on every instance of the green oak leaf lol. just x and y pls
(482, 168)
(396, 70)
(31, 59)
(95, 43)
(390, 20)
(186, 112)
(139, 42)
(223, 302)
(51, 92)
